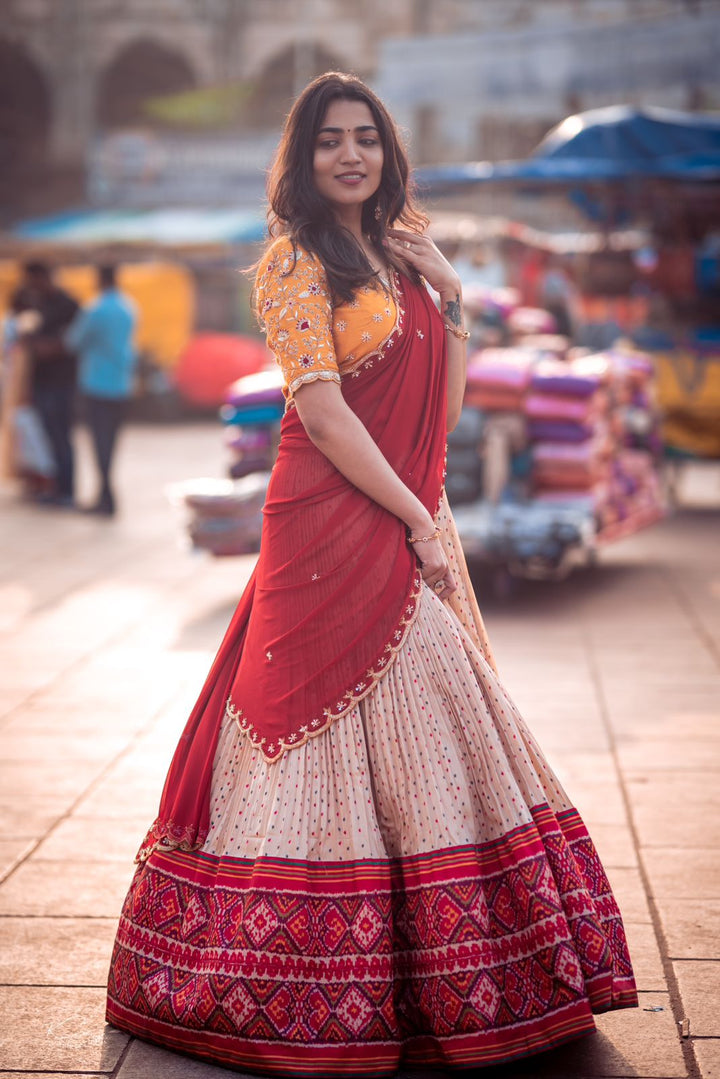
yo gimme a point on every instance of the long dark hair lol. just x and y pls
(299, 211)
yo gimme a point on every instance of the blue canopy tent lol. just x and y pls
(172, 227)
(616, 163)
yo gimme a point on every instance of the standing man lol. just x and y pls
(102, 335)
(51, 363)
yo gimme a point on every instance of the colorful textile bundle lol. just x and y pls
(592, 436)
(480, 299)
(574, 379)
(559, 431)
(498, 378)
(564, 464)
(551, 344)
(255, 400)
(531, 320)
(252, 449)
(224, 517)
(594, 432)
(566, 409)
(636, 367)
(252, 411)
(555, 407)
(635, 496)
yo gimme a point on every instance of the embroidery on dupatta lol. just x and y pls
(273, 751)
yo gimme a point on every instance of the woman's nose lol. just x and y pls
(350, 151)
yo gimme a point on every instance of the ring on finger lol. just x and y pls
(439, 586)
(407, 245)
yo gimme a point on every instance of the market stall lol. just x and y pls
(656, 170)
(555, 455)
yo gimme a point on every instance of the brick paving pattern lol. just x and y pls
(107, 629)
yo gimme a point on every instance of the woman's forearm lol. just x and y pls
(338, 433)
(451, 310)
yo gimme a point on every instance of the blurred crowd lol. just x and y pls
(62, 361)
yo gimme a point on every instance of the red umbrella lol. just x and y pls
(212, 361)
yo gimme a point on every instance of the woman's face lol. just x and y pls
(348, 157)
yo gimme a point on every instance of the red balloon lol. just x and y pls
(212, 361)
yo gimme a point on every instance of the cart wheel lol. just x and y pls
(504, 585)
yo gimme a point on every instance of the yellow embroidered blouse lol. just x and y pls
(312, 339)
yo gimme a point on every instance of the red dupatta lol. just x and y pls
(336, 585)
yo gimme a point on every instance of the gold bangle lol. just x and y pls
(424, 539)
(462, 335)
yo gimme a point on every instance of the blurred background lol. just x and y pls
(568, 155)
(567, 151)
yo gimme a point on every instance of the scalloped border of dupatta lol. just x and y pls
(168, 836)
(319, 724)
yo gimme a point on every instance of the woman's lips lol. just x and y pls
(351, 178)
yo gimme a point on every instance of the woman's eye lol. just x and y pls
(327, 144)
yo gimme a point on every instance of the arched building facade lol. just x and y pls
(103, 54)
(25, 117)
(73, 70)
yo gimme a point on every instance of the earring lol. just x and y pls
(378, 212)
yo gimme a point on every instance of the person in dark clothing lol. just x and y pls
(52, 369)
(102, 336)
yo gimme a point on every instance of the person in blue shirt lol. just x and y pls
(102, 337)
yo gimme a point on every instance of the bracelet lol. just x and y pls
(425, 539)
(462, 335)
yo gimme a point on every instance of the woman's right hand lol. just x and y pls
(434, 567)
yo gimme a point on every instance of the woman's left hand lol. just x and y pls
(421, 252)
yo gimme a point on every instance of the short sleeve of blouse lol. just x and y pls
(293, 303)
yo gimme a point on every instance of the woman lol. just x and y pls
(361, 856)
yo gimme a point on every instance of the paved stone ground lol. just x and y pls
(106, 632)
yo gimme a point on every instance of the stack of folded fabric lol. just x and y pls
(636, 408)
(253, 408)
(579, 378)
(637, 488)
(589, 433)
(252, 449)
(498, 378)
(571, 466)
(550, 344)
(530, 320)
(567, 408)
(637, 493)
(224, 517)
(593, 435)
(255, 400)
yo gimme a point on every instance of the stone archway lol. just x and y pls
(25, 117)
(142, 70)
(282, 77)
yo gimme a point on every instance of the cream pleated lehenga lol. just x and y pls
(411, 886)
